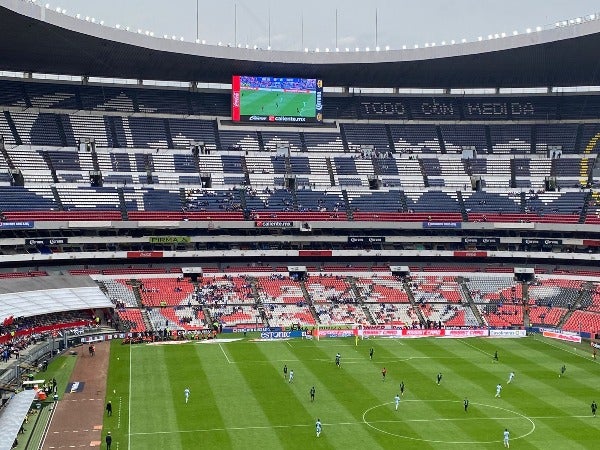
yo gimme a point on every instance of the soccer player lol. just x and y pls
(466, 404)
(312, 394)
(402, 388)
(291, 376)
(506, 437)
(439, 378)
(511, 376)
(594, 408)
(186, 392)
(498, 390)
(495, 356)
(383, 373)
(337, 359)
(371, 351)
(318, 427)
(563, 369)
(397, 400)
(285, 372)
(594, 354)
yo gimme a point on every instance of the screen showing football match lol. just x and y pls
(280, 100)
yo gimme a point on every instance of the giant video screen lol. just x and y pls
(276, 100)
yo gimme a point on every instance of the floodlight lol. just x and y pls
(452, 42)
(118, 27)
(165, 36)
(147, 33)
(337, 49)
(326, 49)
(87, 18)
(78, 16)
(367, 49)
(102, 22)
(427, 44)
(58, 9)
(592, 16)
(464, 41)
(377, 48)
(47, 5)
(387, 47)
(317, 50)
(490, 36)
(578, 20)
(305, 49)
(347, 49)
(538, 28)
(404, 47)
(528, 30)
(152, 34)
(127, 28)
(443, 43)
(515, 33)
(480, 38)
(557, 24)
(433, 44)
(357, 49)
(93, 20)
(64, 11)
(173, 37)
(269, 47)
(239, 45)
(204, 42)
(181, 38)
(416, 45)
(220, 43)
(503, 35)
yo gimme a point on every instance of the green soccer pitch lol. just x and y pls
(267, 103)
(239, 398)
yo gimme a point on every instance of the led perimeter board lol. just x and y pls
(279, 100)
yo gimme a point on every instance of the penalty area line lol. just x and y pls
(225, 354)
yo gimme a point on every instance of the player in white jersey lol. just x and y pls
(506, 437)
(511, 376)
(498, 390)
(397, 400)
(186, 392)
(291, 376)
(318, 427)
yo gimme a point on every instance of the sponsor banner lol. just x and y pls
(542, 242)
(17, 225)
(591, 242)
(366, 239)
(467, 254)
(561, 336)
(422, 333)
(47, 241)
(103, 337)
(273, 224)
(144, 254)
(508, 333)
(169, 239)
(282, 334)
(441, 225)
(336, 332)
(480, 241)
(380, 332)
(242, 329)
(310, 253)
(466, 333)
(235, 98)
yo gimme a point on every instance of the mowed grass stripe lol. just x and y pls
(239, 412)
(424, 398)
(273, 396)
(340, 398)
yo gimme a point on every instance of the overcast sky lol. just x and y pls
(399, 22)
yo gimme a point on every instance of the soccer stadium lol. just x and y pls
(212, 246)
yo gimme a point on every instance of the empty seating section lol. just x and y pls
(88, 198)
(339, 314)
(165, 292)
(551, 138)
(590, 139)
(382, 289)
(510, 138)
(393, 314)
(162, 101)
(459, 137)
(415, 138)
(375, 201)
(367, 137)
(14, 198)
(493, 289)
(37, 129)
(332, 289)
(583, 321)
(566, 205)
(5, 131)
(119, 292)
(544, 315)
(309, 200)
(288, 315)
(276, 139)
(448, 172)
(324, 142)
(104, 98)
(183, 131)
(86, 127)
(239, 140)
(560, 292)
(279, 289)
(145, 132)
(435, 289)
(235, 315)
(502, 315)
(132, 320)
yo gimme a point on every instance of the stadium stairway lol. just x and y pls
(423, 173)
(343, 137)
(48, 162)
(438, 132)
(463, 210)
(13, 128)
(390, 137)
(57, 197)
(61, 130)
(135, 287)
(309, 301)
(122, 204)
(330, 170)
(513, 173)
(585, 207)
(587, 286)
(261, 144)
(349, 211)
(525, 301)
(467, 294)
(6, 155)
(411, 297)
(167, 126)
(352, 282)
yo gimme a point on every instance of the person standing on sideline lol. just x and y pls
(318, 427)
(186, 392)
(108, 440)
(109, 409)
(594, 408)
(291, 376)
(371, 351)
(495, 356)
(397, 400)
(439, 378)
(285, 372)
(312, 394)
(402, 388)
(498, 390)
(506, 438)
(466, 403)
(383, 373)
(511, 376)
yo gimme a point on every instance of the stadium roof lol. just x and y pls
(36, 39)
